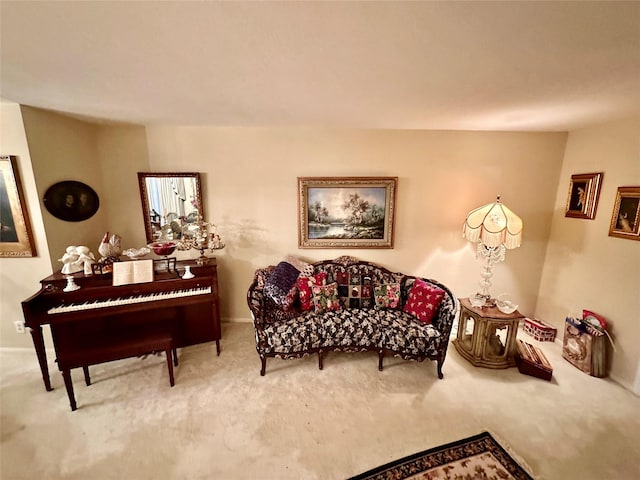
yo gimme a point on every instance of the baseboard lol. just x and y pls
(24, 349)
(236, 320)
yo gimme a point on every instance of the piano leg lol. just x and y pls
(170, 366)
(66, 374)
(38, 343)
(175, 357)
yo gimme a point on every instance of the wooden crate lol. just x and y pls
(531, 361)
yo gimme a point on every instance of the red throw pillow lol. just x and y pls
(305, 285)
(424, 300)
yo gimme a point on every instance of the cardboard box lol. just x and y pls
(541, 331)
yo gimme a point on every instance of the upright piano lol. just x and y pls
(101, 314)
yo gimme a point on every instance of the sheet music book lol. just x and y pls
(137, 271)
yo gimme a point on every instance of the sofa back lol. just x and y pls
(356, 280)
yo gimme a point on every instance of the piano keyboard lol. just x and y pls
(116, 302)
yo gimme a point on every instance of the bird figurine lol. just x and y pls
(110, 249)
(70, 261)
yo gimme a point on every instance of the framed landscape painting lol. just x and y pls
(625, 220)
(584, 192)
(16, 239)
(346, 212)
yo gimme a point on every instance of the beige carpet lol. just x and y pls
(223, 421)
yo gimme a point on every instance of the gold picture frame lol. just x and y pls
(346, 212)
(16, 239)
(625, 219)
(584, 193)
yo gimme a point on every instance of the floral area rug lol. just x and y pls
(477, 457)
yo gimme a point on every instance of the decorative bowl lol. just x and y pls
(505, 305)
(162, 248)
(136, 253)
(477, 300)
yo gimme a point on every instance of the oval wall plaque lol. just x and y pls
(71, 201)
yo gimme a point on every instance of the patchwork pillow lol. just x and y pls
(355, 289)
(278, 285)
(424, 300)
(325, 298)
(387, 295)
(305, 293)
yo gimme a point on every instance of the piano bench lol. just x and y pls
(109, 350)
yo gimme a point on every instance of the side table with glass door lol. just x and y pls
(486, 336)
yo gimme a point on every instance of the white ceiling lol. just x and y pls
(520, 66)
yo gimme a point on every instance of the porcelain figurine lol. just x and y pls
(71, 261)
(110, 248)
(85, 256)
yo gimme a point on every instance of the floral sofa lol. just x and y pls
(349, 305)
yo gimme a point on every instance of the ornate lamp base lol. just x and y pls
(491, 255)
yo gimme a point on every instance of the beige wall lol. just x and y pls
(19, 277)
(584, 267)
(64, 148)
(123, 152)
(250, 188)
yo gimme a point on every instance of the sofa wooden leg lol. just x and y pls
(380, 357)
(263, 359)
(320, 359)
(440, 375)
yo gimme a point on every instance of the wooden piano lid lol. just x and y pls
(60, 279)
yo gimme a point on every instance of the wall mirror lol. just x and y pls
(169, 201)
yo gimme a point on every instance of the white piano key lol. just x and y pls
(118, 301)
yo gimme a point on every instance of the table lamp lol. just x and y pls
(495, 229)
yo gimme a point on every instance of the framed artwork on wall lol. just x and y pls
(167, 197)
(346, 212)
(625, 220)
(71, 201)
(16, 238)
(584, 193)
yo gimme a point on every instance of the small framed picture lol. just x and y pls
(625, 220)
(71, 201)
(16, 239)
(584, 192)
